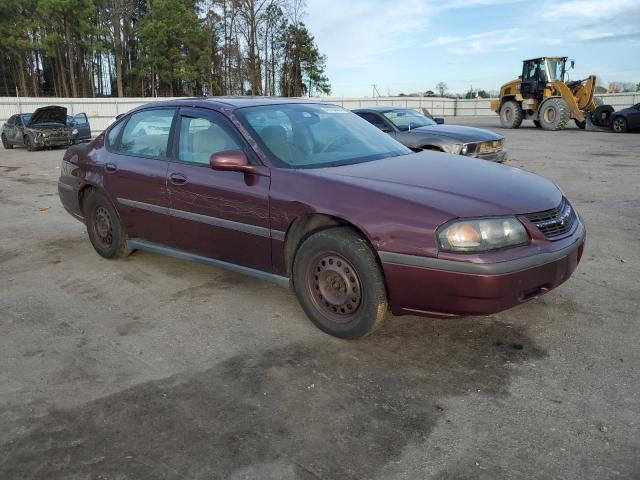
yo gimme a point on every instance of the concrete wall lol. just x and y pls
(102, 110)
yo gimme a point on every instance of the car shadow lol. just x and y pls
(324, 408)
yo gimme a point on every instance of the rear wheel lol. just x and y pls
(554, 114)
(339, 283)
(619, 125)
(5, 143)
(511, 114)
(103, 226)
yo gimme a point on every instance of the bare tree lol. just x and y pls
(442, 88)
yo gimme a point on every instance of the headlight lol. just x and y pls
(481, 234)
(464, 149)
(74, 131)
(455, 148)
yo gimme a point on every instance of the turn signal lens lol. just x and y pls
(481, 234)
(463, 235)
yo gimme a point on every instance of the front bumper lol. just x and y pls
(499, 157)
(444, 288)
(41, 141)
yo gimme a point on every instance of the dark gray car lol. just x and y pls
(419, 132)
(46, 127)
(626, 120)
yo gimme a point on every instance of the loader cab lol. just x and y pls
(537, 72)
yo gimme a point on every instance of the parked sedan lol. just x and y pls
(309, 195)
(626, 120)
(46, 127)
(420, 132)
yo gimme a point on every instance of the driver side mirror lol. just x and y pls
(235, 161)
(439, 120)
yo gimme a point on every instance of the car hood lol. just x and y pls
(455, 185)
(458, 133)
(51, 114)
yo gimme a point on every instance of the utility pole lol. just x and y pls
(375, 91)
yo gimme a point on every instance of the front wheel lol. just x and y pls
(554, 114)
(619, 125)
(103, 226)
(339, 283)
(29, 144)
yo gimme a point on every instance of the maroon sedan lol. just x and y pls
(311, 196)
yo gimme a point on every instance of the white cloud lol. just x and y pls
(589, 9)
(356, 32)
(478, 42)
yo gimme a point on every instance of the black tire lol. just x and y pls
(511, 114)
(602, 115)
(554, 114)
(619, 124)
(103, 226)
(339, 283)
(537, 123)
(28, 144)
(5, 143)
(580, 124)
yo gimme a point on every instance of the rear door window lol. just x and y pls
(146, 133)
(373, 119)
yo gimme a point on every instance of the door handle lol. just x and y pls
(110, 167)
(177, 179)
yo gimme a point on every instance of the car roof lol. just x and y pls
(381, 109)
(231, 101)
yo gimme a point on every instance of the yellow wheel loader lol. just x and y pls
(543, 95)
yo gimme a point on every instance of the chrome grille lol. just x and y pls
(556, 222)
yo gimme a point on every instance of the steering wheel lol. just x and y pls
(341, 139)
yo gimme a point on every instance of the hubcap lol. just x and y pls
(550, 115)
(103, 226)
(618, 124)
(508, 114)
(335, 287)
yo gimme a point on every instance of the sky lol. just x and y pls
(411, 45)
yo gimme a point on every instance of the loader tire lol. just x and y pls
(511, 114)
(554, 114)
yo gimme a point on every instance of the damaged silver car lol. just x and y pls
(46, 127)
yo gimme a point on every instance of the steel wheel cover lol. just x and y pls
(334, 287)
(103, 226)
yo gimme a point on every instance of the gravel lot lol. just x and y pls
(152, 367)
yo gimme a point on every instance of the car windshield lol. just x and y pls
(408, 119)
(316, 136)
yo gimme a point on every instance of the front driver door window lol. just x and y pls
(218, 214)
